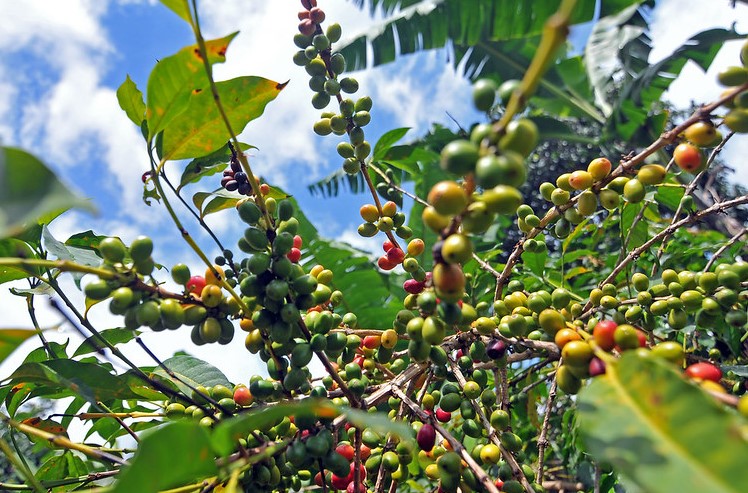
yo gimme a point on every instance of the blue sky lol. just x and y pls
(62, 60)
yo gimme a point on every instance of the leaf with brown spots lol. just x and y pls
(200, 130)
(660, 432)
(174, 78)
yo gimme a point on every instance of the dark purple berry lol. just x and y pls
(244, 188)
(496, 349)
(231, 185)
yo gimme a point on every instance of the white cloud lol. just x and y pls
(69, 116)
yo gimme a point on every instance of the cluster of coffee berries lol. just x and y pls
(389, 219)
(325, 69)
(737, 118)
(234, 179)
(202, 304)
(202, 408)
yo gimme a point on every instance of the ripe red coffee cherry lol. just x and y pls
(395, 255)
(704, 371)
(387, 246)
(426, 437)
(443, 416)
(196, 284)
(346, 450)
(242, 396)
(294, 255)
(603, 334)
(385, 264)
(413, 287)
(688, 157)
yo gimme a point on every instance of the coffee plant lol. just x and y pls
(605, 350)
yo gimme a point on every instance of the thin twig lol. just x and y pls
(542, 438)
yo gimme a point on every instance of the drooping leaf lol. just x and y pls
(200, 130)
(89, 380)
(174, 78)
(661, 433)
(179, 7)
(208, 165)
(604, 44)
(432, 24)
(25, 202)
(171, 456)
(10, 339)
(193, 371)
(131, 101)
(115, 336)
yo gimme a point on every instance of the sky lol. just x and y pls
(61, 62)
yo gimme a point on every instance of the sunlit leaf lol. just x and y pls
(661, 433)
(131, 101)
(210, 202)
(174, 78)
(170, 456)
(179, 7)
(386, 141)
(200, 129)
(25, 202)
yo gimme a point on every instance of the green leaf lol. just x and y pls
(608, 35)
(219, 200)
(386, 141)
(114, 336)
(63, 252)
(11, 247)
(179, 7)
(669, 196)
(25, 202)
(174, 78)
(432, 24)
(131, 101)
(174, 455)
(89, 380)
(535, 261)
(62, 466)
(87, 240)
(200, 129)
(661, 433)
(208, 165)
(10, 339)
(193, 371)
